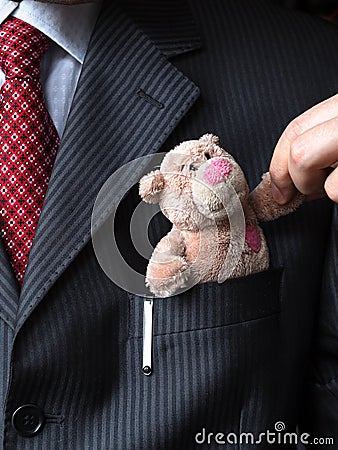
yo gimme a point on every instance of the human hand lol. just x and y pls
(306, 155)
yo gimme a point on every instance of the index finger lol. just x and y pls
(282, 184)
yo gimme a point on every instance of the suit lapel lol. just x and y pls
(9, 288)
(129, 99)
(168, 23)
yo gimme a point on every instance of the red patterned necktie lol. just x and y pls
(28, 139)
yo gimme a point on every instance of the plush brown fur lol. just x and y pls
(199, 187)
(264, 204)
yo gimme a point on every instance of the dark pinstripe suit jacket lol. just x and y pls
(235, 357)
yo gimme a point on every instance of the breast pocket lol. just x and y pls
(217, 361)
(211, 305)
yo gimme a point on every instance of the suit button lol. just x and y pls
(28, 420)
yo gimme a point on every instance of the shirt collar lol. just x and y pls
(69, 26)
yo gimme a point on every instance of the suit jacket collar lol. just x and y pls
(168, 23)
(10, 290)
(109, 124)
(57, 22)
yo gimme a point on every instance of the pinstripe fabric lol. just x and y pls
(320, 410)
(9, 289)
(329, 307)
(100, 368)
(173, 33)
(230, 357)
(175, 318)
(6, 339)
(122, 126)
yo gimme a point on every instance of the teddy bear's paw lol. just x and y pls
(169, 247)
(151, 186)
(264, 204)
(165, 279)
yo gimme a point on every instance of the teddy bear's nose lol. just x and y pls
(218, 170)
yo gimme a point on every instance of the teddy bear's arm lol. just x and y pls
(168, 269)
(264, 204)
(172, 244)
(151, 186)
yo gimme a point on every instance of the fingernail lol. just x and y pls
(278, 195)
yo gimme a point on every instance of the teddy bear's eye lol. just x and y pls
(192, 167)
(182, 166)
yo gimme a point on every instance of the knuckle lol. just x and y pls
(294, 129)
(280, 176)
(298, 153)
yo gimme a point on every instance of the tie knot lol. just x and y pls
(21, 49)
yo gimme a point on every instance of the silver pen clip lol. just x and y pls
(148, 305)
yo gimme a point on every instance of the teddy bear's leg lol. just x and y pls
(168, 270)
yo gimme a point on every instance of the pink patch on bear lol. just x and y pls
(218, 170)
(253, 238)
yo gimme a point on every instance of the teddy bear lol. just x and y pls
(203, 192)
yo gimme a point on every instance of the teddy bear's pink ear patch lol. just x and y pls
(253, 238)
(218, 170)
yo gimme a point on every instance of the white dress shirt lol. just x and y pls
(70, 28)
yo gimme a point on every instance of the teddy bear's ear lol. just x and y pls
(210, 139)
(151, 186)
(210, 146)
